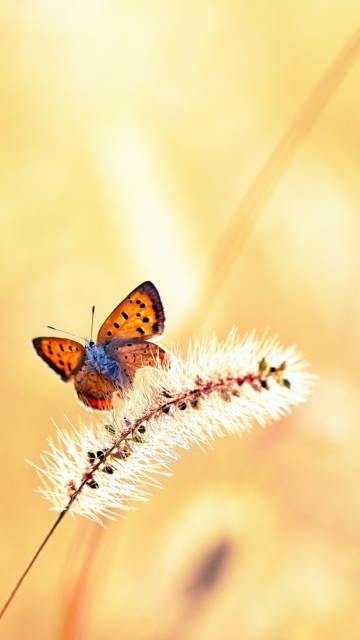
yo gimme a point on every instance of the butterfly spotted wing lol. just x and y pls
(64, 356)
(135, 354)
(140, 315)
(93, 389)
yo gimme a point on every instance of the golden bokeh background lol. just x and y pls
(130, 132)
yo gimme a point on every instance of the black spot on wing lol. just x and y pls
(150, 290)
(38, 346)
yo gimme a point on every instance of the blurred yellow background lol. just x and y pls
(130, 131)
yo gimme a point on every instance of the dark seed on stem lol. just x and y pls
(122, 454)
(225, 395)
(110, 428)
(262, 364)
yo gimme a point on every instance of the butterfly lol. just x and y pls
(109, 366)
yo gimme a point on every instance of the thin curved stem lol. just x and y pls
(242, 222)
(31, 562)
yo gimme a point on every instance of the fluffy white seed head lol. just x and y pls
(99, 468)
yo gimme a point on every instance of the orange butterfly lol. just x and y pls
(109, 366)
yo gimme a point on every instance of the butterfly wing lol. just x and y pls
(140, 315)
(62, 355)
(134, 354)
(93, 389)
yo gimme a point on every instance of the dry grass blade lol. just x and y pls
(268, 178)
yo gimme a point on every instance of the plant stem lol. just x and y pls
(31, 562)
(268, 178)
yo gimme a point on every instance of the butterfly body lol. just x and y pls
(97, 358)
(109, 366)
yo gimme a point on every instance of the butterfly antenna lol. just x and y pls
(92, 322)
(68, 332)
